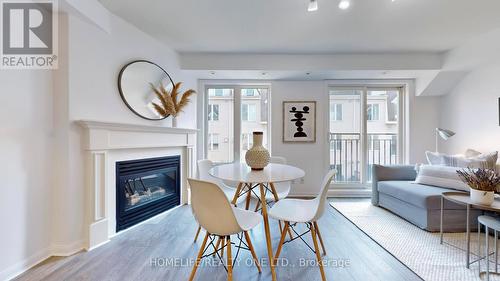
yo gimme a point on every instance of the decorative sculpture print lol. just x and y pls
(299, 121)
(299, 117)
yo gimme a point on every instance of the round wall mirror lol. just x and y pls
(134, 84)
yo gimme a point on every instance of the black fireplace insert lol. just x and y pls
(145, 188)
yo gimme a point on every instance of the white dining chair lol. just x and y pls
(308, 211)
(282, 188)
(203, 167)
(213, 211)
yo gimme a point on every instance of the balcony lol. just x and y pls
(346, 154)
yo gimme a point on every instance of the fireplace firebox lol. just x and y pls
(145, 188)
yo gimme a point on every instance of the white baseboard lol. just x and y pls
(350, 192)
(339, 192)
(66, 250)
(54, 250)
(20, 267)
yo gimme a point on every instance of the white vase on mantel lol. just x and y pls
(482, 197)
(174, 121)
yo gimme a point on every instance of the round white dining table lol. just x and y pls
(249, 179)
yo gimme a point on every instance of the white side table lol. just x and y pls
(493, 224)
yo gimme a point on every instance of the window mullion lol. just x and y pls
(364, 135)
(237, 123)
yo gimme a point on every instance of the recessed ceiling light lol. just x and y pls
(313, 6)
(344, 4)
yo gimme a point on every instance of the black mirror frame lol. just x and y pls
(121, 90)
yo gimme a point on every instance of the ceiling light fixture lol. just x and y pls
(344, 4)
(313, 6)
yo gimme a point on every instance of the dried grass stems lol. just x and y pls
(169, 104)
(480, 179)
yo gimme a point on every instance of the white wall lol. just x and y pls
(314, 157)
(26, 135)
(95, 58)
(311, 157)
(471, 110)
(42, 202)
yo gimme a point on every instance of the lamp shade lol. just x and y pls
(444, 133)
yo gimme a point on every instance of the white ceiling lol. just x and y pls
(285, 26)
(313, 75)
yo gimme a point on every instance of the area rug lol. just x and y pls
(419, 250)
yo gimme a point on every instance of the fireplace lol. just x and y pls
(145, 188)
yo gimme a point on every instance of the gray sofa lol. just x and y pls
(393, 189)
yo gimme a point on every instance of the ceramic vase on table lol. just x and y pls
(482, 197)
(257, 157)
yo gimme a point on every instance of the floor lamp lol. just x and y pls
(444, 134)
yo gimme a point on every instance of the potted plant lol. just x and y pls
(483, 184)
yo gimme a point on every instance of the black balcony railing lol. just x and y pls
(346, 151)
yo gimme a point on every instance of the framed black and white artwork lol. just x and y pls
(299, 121)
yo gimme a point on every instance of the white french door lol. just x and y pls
(233, 114)
(365, 128)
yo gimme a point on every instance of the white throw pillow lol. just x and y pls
(484, 160)
(440, 176)
(471, 153)
(436, 158)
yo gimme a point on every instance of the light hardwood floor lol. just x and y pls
(169, 238)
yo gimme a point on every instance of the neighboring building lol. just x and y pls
(254, 117)
(345, 127)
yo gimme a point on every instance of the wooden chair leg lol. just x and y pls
(198, 258)
(197, 233)
(229, 260)
(318, 255)
(257, 206)
(217, 246)
(249, 196)
(319, 236)
(282, 240)
(223, 243)
(252, 250)
(237, 193)
(281, 227)
(290, 233)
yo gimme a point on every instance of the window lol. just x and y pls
(249, 92)
(248, 112)
(238, 111)
(373, 112)
(219, 92)
(356, 144)
(335, 112)
(246, 141)
(213, 142)
(213, 112)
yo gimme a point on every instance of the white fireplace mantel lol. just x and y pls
(104, 144)
(104, 135)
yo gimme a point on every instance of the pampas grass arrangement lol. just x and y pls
(169, 103)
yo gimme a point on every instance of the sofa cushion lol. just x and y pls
(423, 196)
(441, 176)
